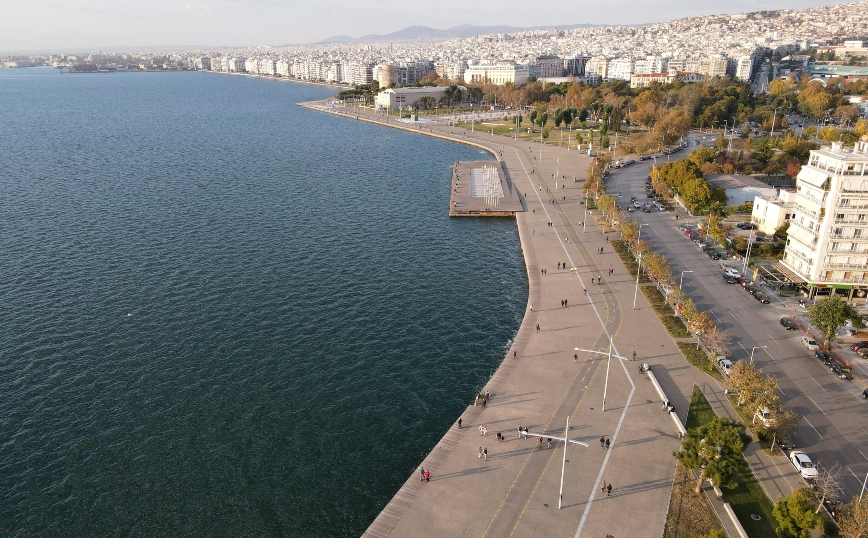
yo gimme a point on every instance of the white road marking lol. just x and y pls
(812, 426)
(863, 454)
(818, 407)
(818, 384)
(773, 339)
(735, 318)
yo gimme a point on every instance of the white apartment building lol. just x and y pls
(771, 212)
(283, 68)
(250, 65)
(621, 68)
(651, 64)
(744, 68)
(646, 79)
(403, 98)
(713, 66)
(598, 65)
(827, 241)
(499, 73)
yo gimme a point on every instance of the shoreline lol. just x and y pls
(401, 500)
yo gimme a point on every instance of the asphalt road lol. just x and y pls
(834, 414)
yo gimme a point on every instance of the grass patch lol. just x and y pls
(698, 358)
(672, 322)
(701, 412)
(690, 515)
(749, 498)
(627, 258)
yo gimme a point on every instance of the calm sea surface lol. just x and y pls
(222, 314)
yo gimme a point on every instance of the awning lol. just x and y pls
(788, 273)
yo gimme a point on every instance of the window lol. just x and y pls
(845, 202)
(857, 232)
(860, 217)
(836, 232)
(839, 216)
(836, 246)
(854, 247)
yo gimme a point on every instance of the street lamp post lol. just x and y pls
(747, 253)
(639, 268)
(606, 385)
(774, 117)
(682, 278)
(752, 350)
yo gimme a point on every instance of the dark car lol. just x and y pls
(786, 442)
(859, 345)
(750, 288)
(863, 352)
(824, 357)
(865, 394)
(713, 255)
(646, 209)
(761, 297)
(841, 372)
(729, 279)
(789, 324)
(746, 226)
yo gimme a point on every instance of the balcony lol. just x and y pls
(803, 210)
(855, 266)
(799, 256)
(802, 226)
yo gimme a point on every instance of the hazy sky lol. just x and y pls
(92, 24)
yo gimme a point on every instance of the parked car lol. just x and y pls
(824, 357)
(729, 279)
(786, 442)
(841, 371)
(810, 343)
(764, 416)
(865, 394)
(761, 297)
(631, 209)
(863, 352)
(789, 324)
(725, 365)
(750, 288)
(859, 345)
(713, 255)
(732, 272)
(746, 226)
(803, 464)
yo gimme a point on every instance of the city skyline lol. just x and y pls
(101, 24)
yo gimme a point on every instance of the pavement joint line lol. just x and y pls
(612, 343)
(527, 460)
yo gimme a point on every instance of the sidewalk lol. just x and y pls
(515, 491)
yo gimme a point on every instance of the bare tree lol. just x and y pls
(853, 522)
(827, 484)
(784, 421)
(718, 341)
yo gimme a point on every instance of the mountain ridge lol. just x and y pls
(425, 33)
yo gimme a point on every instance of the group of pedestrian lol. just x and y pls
(522, 430)
(604, 443)
(499, 437)
(483, 431)
(563, 302)
(607, 488)
(611, 271)
(425, 474)
(600, 250)
(543, 271)
(482, 453)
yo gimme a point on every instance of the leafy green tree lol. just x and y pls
(783, 421)
(533, 115)
(763, 151)
(702, 155)
(795, 514)
(558, 117)
(696, 195)
(604, 141)
(568, 116)
(830, 314)
(583, 115)
(715, 448)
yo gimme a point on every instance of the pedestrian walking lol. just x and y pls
(480, 429)
(537, 327)
(460, 420)
(485, 432)
(608, 490)
(427, 476)
(586, 291)
(562, 302)
(487, 395)
(514, 354)
(607, 444)
(421, 474)
(634, 355)
(484, 402)
(565, 302)
(479, 454)
(485, 454)
(575, 359)
(602, 442)
(559, 265)
(531, 307)
(539, 443)
(602, 486)
(549, 442)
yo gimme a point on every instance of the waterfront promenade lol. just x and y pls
(543, 379)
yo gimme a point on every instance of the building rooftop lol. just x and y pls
(738, 181)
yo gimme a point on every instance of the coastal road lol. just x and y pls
(835, 416)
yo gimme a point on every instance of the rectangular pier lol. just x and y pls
(482, 189)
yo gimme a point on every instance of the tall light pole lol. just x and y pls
(752, 350)
(774, 117)
(682, 278)
(747, 253)
(606, 386)
(639, 268)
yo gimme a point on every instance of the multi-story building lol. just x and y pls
(598, 65)
(499, 73)
(645, 79)
(771, 212)
(744, 68)
(651, 64)
(713, 66)
(550, 66)
(575, 66)
(827, 241)
(621, 68)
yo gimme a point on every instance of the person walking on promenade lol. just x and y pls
(531, 307)
(607, 444)
(608, 490)
(634, 355)
(484, 402)
(421, 474)
(460, 420)
(602, 486)
(565, 302)
(537, 327)
(427, 476)
(484, 431)
(602, 441)
(562, 302)
(575, 358)
(539, 443)
(485, 454)
(479, 454)
(480, 429)
(586, 292)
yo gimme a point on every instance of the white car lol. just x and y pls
(732, 272)
(810, 343)
(725, 365)
(765, 416)
(803, 464)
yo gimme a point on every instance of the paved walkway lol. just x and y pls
(515, 490)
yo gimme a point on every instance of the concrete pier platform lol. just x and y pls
(482, 189)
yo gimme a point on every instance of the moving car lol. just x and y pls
(789, 324)
(810, 343)
(803, 464)
(630, 209)
(824, 357)
(732, 272)
(840, 371)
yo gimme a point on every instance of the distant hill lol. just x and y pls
(424, 33)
